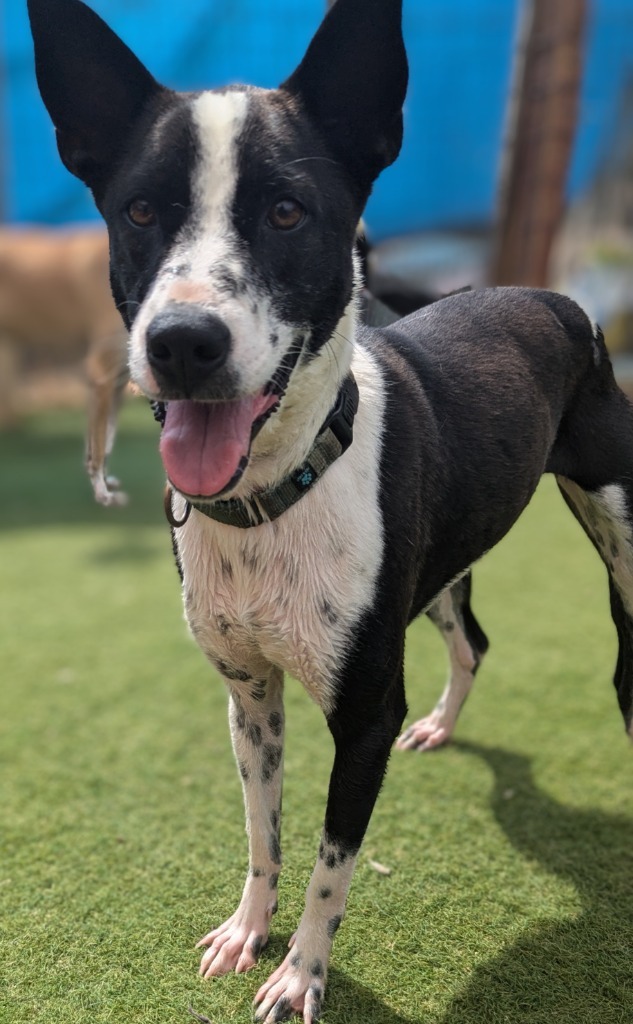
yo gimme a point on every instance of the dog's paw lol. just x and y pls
(294, 988)
(235, 945)
(114, 499)
(107, 491)
(426, 734)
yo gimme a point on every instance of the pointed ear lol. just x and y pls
(353, 81)
(92, 85)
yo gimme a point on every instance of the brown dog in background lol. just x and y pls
(56, 309)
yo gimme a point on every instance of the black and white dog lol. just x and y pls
(232, 216)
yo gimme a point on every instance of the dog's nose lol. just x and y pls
(186, 345)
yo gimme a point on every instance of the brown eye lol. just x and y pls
(141, 213)
(286, 215)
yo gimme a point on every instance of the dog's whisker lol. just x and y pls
(331, 350)
(303, 160)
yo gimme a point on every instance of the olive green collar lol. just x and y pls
(334, 438)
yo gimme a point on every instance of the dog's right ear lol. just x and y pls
(92, 85)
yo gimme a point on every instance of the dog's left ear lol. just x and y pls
(353, 81)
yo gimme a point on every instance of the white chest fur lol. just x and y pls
(287, 593)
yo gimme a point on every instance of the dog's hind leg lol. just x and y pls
(467, 643)
(606, 515)
(256, 718)
(593, 462)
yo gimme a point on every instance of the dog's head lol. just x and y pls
(231, 212)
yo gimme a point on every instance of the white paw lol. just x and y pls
(107, 491)
(296, 987)
(426, 734)
(235, 945)
(114, 499)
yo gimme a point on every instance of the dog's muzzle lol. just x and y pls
(186, 346)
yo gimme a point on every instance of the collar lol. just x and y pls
(334, 438)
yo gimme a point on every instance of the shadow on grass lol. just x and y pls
(578, 970)
(347, 1002)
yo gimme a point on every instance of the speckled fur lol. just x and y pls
(256, 717)
(288, 593)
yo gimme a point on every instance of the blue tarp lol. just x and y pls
(460, 53)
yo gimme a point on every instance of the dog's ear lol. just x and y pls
(353, 81)
(92, 85)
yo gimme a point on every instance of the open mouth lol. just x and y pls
(205, 446)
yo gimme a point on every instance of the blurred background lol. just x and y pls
(517, 167)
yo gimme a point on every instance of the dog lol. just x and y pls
(327, 482)
(56, 303)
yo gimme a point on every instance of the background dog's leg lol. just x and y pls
(606, 515)
(256, 717)
(107, 375)
(467, 644)
(364, 729)
(11, 399)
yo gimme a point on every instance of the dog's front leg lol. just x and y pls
(256, 717)
(363, 731)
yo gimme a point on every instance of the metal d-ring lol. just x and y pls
(169, 512)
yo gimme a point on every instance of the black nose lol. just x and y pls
(186, 345)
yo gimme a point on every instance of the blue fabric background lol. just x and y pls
(460, 55)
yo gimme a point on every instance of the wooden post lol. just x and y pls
(540, 130)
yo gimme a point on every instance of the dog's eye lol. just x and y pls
(141, 213)
(286, 215)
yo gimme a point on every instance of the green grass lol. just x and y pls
(121, 828)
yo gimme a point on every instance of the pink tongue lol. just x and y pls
(203, 443)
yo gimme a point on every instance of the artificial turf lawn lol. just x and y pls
(510, 897)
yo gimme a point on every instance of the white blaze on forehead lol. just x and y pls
(220, 119)
(208, 252)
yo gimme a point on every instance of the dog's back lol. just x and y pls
(471, 377)
(54, 291)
